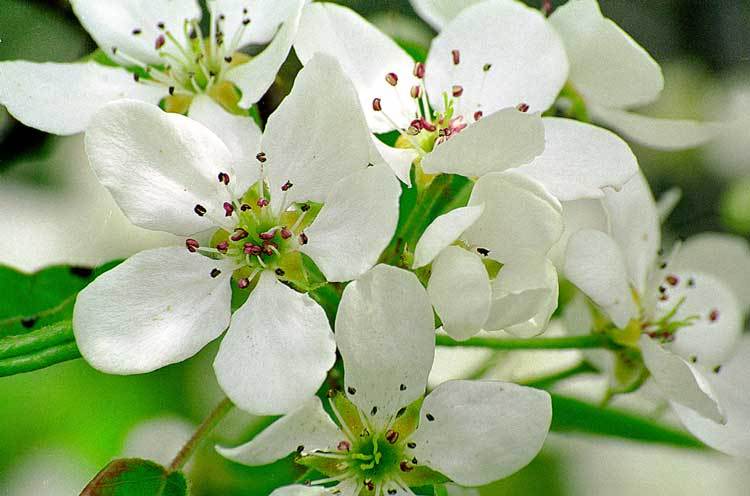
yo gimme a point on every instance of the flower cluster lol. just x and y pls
(384, 198)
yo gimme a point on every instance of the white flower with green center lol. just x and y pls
(608, 69)
(163, 55)
(385, 435)
(680, 319)
(310, 197)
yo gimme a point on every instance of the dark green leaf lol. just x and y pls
(136, 477)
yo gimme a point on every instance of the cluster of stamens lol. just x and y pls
(430, 128)
(192, 66)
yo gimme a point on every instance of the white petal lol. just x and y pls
(524, 296)
(580, 160)
(300, 490)
(454, 490)
(606, 65)
(308, 426)
(366, 54)
(731, 385)
(317, 135)
(253, 78)
(265, 17)
(444, 231)
(497, 142)
(159, 166)
(437, 13)
(459, 289)
(385, 333)
(634, 225)
(482, 431)
(398, 159)
(519, 218)
(277, 350)
(241, 135)
(528, 61)
(661, 134)
(712, 337)
(111, 24)
(595, 264)
(355, 225)
(172, 305)
(667, 202)
(62, 98)
(577, 215)
(678, 380)
(724, 256)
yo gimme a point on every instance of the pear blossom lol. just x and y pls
(678, 318)
(386, 435)
(308, 195)
(158, 53)
(608, 69)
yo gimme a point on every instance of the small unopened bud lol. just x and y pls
(457, 90)
(391, 78)
(376, 105)
(478, 115)
(228, 209)
(243, 283)
(416, 91)
(286, 233)
(522, 107)
(192, 245)
(456, 56)
(419, 70)
(239, 234)
(160, 41)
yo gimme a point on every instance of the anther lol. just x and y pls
(400, 412)
(430, 417)
(215, 273)
(279, 272)
(405, 467)
(243, 283)
(411, 444)
(478, 115)
(223, 246)
(713, 316)
(261, 157)
(374, 411)
(672, 280)
(245, 207)
(391, 78)
(286, 186)
(160, 41)
(171, 90)
(136, 77)
(416, 91)
(486, 67)
(228, 59)
(304, 207)
(391, 436)
(392, 491)
(402, 387)
(200, 210)
(136, 32)
(286, 233)
(223, 177)
(419, 70)
(483, 251)
(522, 107)
(268, 247)
(300, 448)
(114, 50)
(245, 21)
(192, 245)
(268, 235)
(691, 283)
(369, 485)
(717, 369)
(228, 209)
(457, 90)
(344, 446)
(693, 359)
(351, 390)
(303, 239)
(262, 202)
(456, 56)
(662, 289)
(252, 249)
(239, 234)
(376, 105)
(160, 25)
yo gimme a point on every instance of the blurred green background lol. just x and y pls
(60, 425)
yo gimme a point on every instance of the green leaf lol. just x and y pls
(574, 415)
(136, 477)
(42, 298)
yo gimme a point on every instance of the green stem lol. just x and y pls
(548, 381)
(39, 360)
(561, 343)
(34, 341)
(210, 422)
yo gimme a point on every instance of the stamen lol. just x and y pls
(215, 273)
(457, 90)
(456, 56)
(303, 239)
(262, 202)
(252, 249)
(137, 31)
(223, 246)
(713, 316)
(261, 157)
(239, 234)
(672, 280)
(200, 210)
(391, 436)
(228, 209)
(243, 283)
(391, 78)
(419, 70)
(478, 115)
(160, 41)
(286, 233)
(344, 446)
(268, 235)
(377, 106)
(522, 107)
(286, 186)
(416, 92)
(192, 245)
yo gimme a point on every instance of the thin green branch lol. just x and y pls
(34, 341)
(39, 360)
(557, 343)
(208, 424)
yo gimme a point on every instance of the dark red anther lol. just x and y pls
(405, 467)
(223, 246)
(713, 316)
(369, 485)
(215, 273)
(427, 126)
(267, 236)
(286, 186)
(243, 283)
(416, 124)
(192, 245)
(547, 7)
(456, 56)
(478, 115)
(376, 105)
(286, 233)
(416, 91)
(457, 90)
(419, 70)
(245, 207)
(261, 157)
(344, 446)
(672, 280)
(228, 209)
(268, 248)
(200, 210)
(262, 202)
(303, 239)
(239, 234)
(391, 436)
(252, 249)
(391, 78)
(224, 178)
(160, 41)
(522, 107)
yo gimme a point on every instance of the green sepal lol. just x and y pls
(136, 477)
(326, 466)
(348, 412)
(423, 476)
(407, 419)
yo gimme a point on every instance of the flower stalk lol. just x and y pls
(208, 425)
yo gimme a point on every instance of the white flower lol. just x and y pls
(161, 42)
(315, 196)
(609, 69)
(386, 437)
(510, 220)
(683, 316)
